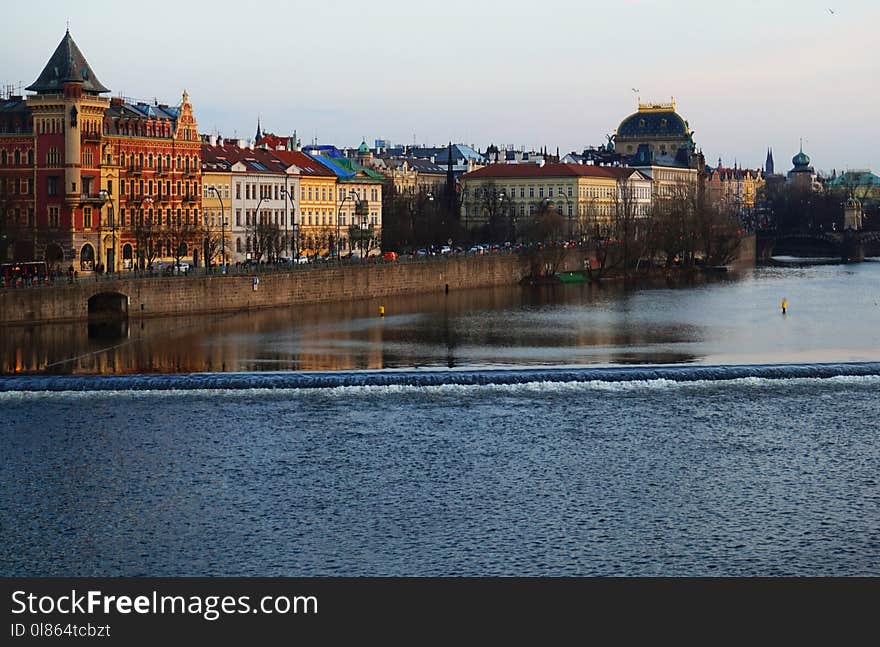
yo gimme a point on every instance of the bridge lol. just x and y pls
(850, 246)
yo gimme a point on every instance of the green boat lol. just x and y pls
(573, 277)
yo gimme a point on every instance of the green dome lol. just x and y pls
(801, 160)
(363, 148)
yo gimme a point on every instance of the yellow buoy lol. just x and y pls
(381, 311)
(784, 305)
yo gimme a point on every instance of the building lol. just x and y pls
(655, 131)
(735, 189)
(316, 208)
(263, 204)
(586, 196)
(410, 176)
(861, 184)
(92, 182)
(802, 176)
(358, 201)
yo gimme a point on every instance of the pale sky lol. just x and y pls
(746, 74)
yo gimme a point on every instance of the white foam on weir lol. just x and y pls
(446, 390)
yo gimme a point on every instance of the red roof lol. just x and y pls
(306, 164)
(512, 171)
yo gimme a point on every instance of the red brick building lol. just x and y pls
(90, 181)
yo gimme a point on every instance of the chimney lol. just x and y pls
(212, 140)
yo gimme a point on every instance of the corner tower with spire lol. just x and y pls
(68, 114)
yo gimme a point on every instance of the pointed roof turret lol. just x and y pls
(259, 134)
(67, 65)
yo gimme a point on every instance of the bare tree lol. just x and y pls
(147, 239)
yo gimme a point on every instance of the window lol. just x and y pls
(53, 216)
(52, 185)
(540, 192)
(87, 217)
(550, 192)
(238, 218)
(531, 192)
(30, 157)
(122, 217)
(522, 192)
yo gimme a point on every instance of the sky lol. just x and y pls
(745, 74)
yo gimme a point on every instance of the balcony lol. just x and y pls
(190, 198)
(134, 170)
(92, 199)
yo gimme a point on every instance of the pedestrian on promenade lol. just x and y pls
(784, 305)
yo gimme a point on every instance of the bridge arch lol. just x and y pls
(108, 315)
(108, 305)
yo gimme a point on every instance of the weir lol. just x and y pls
(327, 380)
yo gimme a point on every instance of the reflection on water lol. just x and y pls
(727, 319)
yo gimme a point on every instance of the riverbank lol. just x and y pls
(128, 296)
(194, 295)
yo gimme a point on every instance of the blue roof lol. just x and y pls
(329, 163)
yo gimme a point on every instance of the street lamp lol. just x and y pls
(256, 223)
(216, 193)
(295, 247)
(109, 198)
(350, 195)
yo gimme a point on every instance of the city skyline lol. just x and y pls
(746, 76)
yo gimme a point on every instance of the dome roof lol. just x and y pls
(801, 160)
(363, 148)
(653, 123)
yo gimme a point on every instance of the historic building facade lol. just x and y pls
(98, 182)
(734, 188)
(656, 131)
(586, 196)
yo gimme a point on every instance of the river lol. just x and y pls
(687, 429)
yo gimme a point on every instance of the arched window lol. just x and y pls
(30, 157)
(150, 161)
(87, 258)
(16, 156)
(3, 158)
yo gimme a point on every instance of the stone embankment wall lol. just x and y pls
(208, 294)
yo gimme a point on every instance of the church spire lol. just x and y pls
(259, 134)
(768, 165)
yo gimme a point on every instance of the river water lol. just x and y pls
(571, 430)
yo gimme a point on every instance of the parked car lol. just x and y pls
(446, 249)
(422, 252)
(169, 267)
(301, 259)
(476, 249)
(389, 256)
